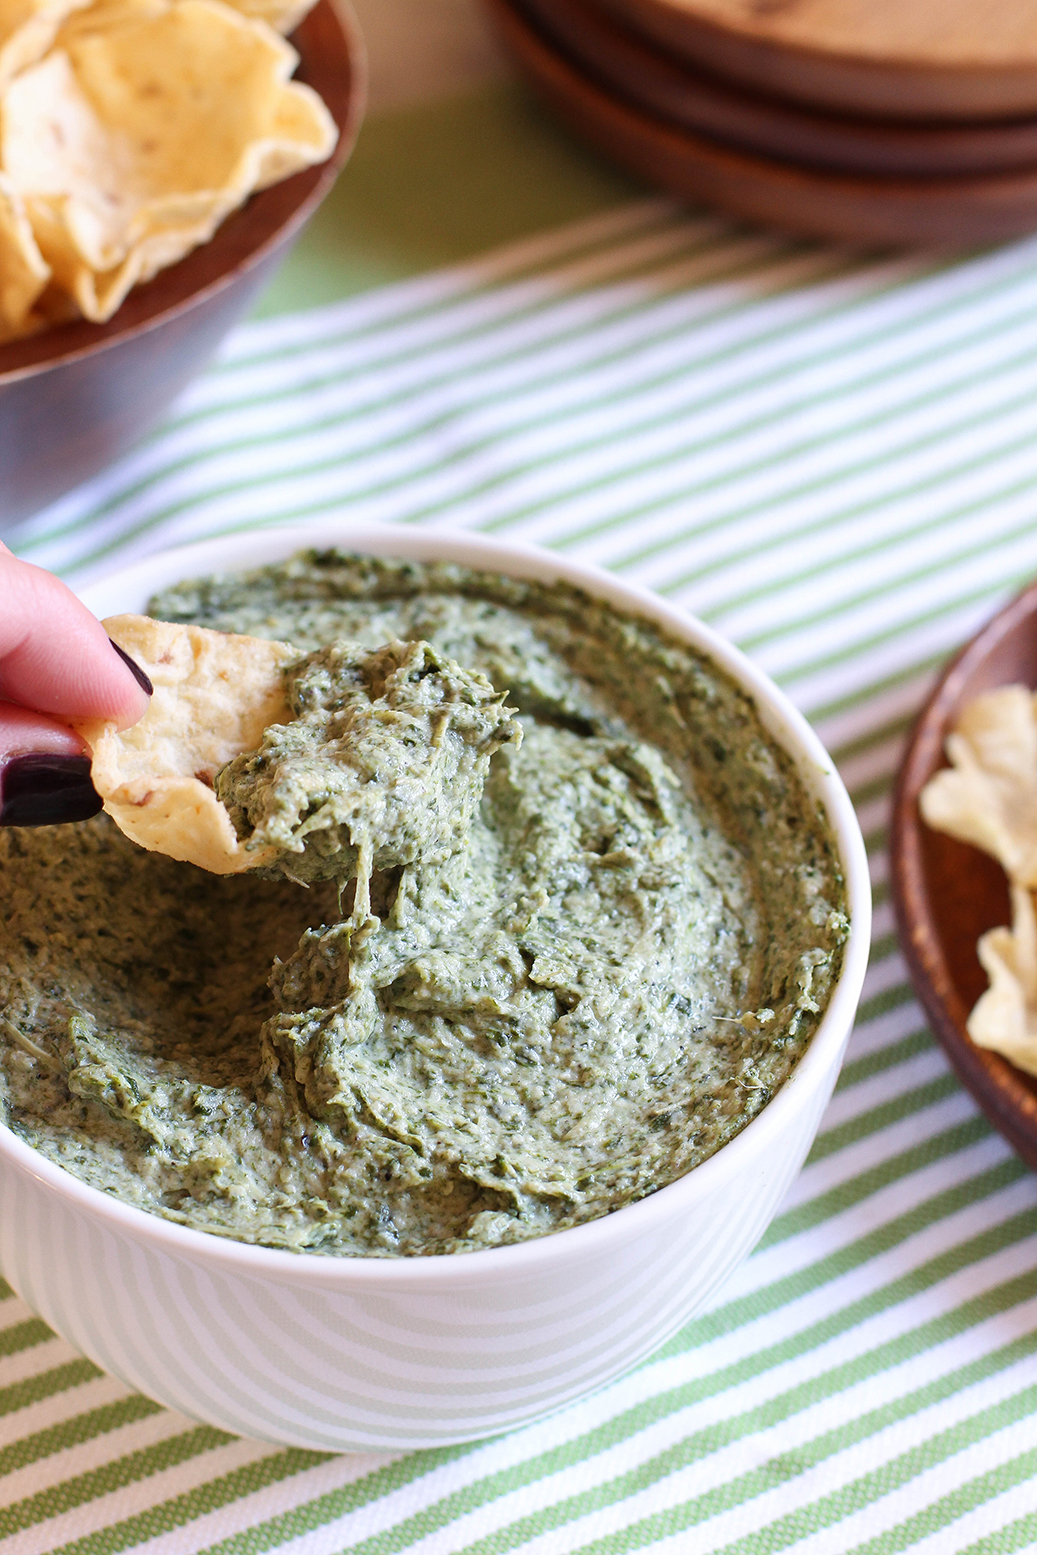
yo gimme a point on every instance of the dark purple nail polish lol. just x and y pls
(41, 790)
(135, 670)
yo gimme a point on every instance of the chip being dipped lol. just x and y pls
(319, 766)
(214, 695)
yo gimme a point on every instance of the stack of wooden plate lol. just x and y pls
(887, 121)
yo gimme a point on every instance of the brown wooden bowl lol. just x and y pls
(946, 893)
(76, 396)
(898, 59)
(930, 212)
(652, 78)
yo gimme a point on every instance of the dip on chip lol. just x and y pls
(323, 766)
(381, 763)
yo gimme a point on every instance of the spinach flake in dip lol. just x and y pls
(562, 918)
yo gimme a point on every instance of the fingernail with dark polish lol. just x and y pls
(138, 674)
(40, 790)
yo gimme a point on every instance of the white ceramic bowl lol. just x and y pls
(360, 1354)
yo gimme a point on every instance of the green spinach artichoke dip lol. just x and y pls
(554, 918)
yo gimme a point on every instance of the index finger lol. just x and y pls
(55, 657)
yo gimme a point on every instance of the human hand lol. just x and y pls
(56, 663)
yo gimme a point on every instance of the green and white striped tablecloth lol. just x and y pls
(831, 457)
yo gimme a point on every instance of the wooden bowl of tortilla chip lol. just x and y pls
(77, 395)
(947, 893)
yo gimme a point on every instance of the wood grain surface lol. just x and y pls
(946, 893)
(918, 59)
(76, 396)
(653, 79)
(924, 32)
(931, 212)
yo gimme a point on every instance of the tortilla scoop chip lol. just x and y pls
(215, 693)
(98, 293)
(103, 15)
(27, 30)
(23, 271)
(282, 15)
(1005, 1017)
(132, 141)
(989, 795)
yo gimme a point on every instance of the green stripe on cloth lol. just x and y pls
(122, 1471)
(183, 1509)
(19, 1395)
(843, 1197)
(79, 1428)
(20, 1336)
(873, 1063)
(1018, 1535)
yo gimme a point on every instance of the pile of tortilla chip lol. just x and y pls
(129, 130)
(988, 797)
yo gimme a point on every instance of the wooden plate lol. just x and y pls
(651, 79)
(946, 893)
(914, 59)
(75, 397)
(954, 212)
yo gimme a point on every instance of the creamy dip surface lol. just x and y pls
(548, 940)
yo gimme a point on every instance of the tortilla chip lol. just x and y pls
(133, 141)
(1005, 1017)
(282, 15)
(23, 271)
(97, 293)
(215, 693)
(103, 16)
(27, 30)
(989, 796)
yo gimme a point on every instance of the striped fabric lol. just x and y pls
(831, 457)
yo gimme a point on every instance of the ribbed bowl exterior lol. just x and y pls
(389, 1365)
(361, 1354)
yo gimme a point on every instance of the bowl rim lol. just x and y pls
(251, 548)
(41, 353)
